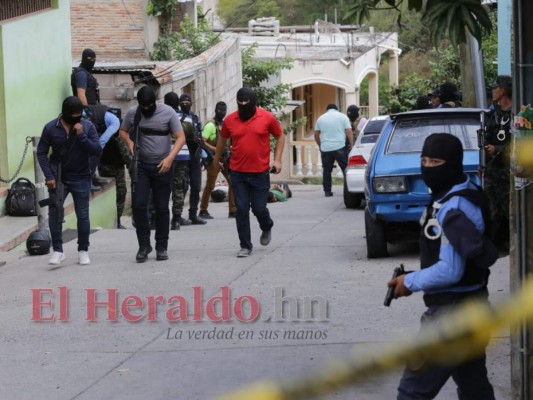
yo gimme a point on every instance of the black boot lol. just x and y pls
(196, 220)
(183, 221)
(142, 254)
(175, 223)
(119, 225)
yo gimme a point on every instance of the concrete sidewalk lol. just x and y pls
(318, 249)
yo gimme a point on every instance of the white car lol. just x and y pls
(354, 182)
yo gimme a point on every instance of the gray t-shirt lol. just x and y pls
(155, 132)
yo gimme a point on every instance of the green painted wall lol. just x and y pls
(35, 66)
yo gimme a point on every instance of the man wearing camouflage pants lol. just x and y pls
(498, 157)
(114, 156)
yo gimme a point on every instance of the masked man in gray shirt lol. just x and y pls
(147, 131)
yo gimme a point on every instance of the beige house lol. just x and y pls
(330, 64)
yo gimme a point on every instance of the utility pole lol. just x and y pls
(521, 207)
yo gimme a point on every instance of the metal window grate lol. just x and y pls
(17, 8)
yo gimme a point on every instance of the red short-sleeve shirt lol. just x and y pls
(250, 140)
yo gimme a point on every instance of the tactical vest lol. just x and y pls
(96, 114)
(112, 154)
(227, 151)
(92, 93)
(430, 248)
(499, 134)
(191, 134)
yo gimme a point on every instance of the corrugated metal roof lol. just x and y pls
(167, 71)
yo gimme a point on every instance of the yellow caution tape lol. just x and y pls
(458, 336)
(261, 391)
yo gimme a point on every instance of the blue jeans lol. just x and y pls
(81, 192)
(251, 190)
(328, 157)
(149, 178)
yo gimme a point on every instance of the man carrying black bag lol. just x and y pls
(73, 141)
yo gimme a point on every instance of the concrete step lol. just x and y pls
(15, 230)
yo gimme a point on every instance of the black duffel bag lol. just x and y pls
(20, 201)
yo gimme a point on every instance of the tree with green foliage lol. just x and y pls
(237, 13)
(451, 18)
(442, 17)
(165, 10)
(255, 73)
(189, 42)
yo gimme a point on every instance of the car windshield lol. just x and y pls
(371, 131)
(373, 127)
(409, 134)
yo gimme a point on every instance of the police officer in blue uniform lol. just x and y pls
(455, 256)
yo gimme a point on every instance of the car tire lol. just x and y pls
(376, 242)
(352, 200)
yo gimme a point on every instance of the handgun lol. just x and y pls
(390, 292)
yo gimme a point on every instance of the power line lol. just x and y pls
(136, 27)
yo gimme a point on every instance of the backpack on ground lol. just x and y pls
(20, 201)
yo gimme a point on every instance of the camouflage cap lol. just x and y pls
(504, 81)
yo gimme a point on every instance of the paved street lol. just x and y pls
(318, 250)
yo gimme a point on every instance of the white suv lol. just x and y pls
(354, 182)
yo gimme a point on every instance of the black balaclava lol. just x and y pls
(85, 62)
(185, 107)
(71, 105)
(146, 99)
(220, 111)
(352, 112)
(246, 111)
(171, 99)
(448, 148)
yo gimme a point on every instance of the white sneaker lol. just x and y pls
(83, 258)
(56, 258)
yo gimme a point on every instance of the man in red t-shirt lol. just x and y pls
(249, 129)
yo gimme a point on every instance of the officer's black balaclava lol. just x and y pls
(72, 105)
(352, 112)
(172, 100)
(85, 62)
(445, 147)
(246, 111)
(146, 99)
(185, 103)
(220, 111)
